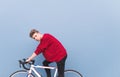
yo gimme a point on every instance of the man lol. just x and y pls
(52, 50)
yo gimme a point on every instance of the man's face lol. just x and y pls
(36, 36)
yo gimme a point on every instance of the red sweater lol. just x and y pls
(51, 48)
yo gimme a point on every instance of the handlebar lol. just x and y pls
(23, 63)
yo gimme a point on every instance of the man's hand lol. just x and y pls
(28, 60)
(31, 57)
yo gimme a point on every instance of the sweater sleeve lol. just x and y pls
(39, 49)
(42, 46)
(45, 43)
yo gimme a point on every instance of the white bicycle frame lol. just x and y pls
(32, 69)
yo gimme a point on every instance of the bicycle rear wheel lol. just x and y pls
(21, 73)
(72, 73)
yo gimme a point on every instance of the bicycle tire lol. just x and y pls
(21, 73)
(72, 73)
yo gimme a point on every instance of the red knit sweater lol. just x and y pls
(51, 48)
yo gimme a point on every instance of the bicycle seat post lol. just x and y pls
(56, 71)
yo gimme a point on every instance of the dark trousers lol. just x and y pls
(60, 66)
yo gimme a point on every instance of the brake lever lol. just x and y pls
(19, 63)
(24, 60)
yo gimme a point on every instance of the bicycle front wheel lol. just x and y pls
(21, 73)
(72, 73)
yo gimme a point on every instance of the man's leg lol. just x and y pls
(48, 72)
(61, 67)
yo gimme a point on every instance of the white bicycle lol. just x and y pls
(32, 72)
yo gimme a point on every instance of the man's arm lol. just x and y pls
(31, 57)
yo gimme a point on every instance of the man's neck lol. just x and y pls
(41, 36)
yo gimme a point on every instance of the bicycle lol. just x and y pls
(32, 72)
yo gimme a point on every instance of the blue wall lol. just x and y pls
(89, 29)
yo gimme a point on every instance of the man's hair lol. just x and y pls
(32, 32)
